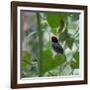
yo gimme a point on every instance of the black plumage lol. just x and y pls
(56, 46)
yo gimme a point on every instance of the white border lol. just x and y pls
(51, 79)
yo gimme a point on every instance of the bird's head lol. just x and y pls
(54, 39)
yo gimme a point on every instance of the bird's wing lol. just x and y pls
(58, 45)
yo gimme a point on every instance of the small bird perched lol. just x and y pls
(56, 46)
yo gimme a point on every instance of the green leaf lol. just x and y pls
(66, 37)
(25, 59)
(49, 63)
(61, 26)
(75, 63)
(55, 18)
(25, 65)
(54, 31)
(76, 56)
(69, 42)
(63, 36)
(46, 61)
(59, 59)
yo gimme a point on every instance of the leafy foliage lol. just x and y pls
(55, 19)
(25, 63)
(49, 63)
(75, 63)
(38, 57)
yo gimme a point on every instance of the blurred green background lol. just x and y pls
(38, 58)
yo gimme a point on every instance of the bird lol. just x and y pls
(56, 46)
